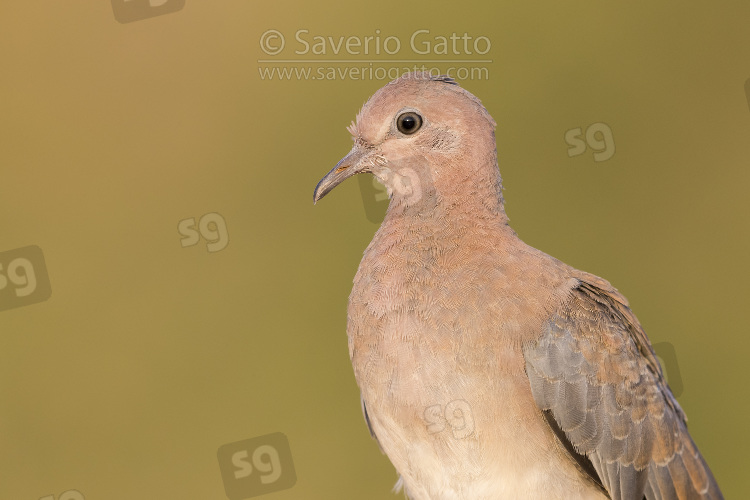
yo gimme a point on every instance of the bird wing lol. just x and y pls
(400, 483)
(369, 425)
(594, 374)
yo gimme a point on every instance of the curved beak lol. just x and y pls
(356, 162)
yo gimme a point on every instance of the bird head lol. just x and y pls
(427, 140)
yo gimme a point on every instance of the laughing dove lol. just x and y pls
(487, 368)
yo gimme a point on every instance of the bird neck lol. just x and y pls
(468, 209)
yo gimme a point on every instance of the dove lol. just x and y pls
(487, 368)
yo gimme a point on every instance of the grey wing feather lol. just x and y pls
(400, 483)
(594, 369)
(369, 425)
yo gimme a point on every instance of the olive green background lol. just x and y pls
(149, 356)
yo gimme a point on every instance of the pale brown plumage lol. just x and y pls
(489, 369)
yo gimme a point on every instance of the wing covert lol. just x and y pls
(594, 369)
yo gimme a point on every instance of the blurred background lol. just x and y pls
(172, 302)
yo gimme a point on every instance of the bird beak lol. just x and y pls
(356, 162)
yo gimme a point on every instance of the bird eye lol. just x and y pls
(408, 123)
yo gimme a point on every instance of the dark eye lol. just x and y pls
(408, 123)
